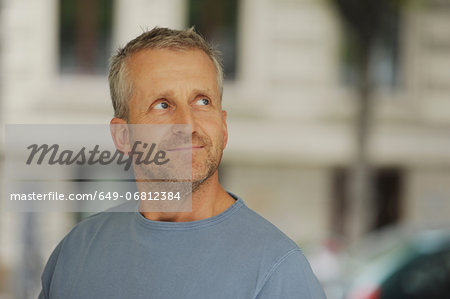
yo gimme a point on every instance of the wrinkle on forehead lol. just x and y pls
(171, 69)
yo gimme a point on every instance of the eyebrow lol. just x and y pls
(164, 94)
(170, 93)
(202, 91)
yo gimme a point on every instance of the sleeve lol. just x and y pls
(291, 277)
(48, 271)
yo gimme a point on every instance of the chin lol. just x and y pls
(200, 177)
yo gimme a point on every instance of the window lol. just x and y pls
(388, 193)
(217, 22)
(387, 187)
(385, 51)
(84, 36)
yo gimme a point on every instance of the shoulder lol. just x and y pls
(260, 237)
(262, 231)
(290, 277)
(73, 248)
(82, 236)
(285, 269)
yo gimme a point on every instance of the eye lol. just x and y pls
(161, 106)
(203, 101)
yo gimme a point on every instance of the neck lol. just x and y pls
(209, 200)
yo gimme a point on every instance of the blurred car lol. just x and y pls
(401, 265)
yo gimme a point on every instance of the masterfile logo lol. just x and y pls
(96, 156)
(82, 168)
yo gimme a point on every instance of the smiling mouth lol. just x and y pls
(186, 148)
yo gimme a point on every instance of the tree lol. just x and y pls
(363, 20)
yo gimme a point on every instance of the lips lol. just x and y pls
(185, 148)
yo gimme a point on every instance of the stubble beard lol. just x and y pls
(214, 156)
(212, 163)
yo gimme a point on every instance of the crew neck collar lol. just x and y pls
(192, 225)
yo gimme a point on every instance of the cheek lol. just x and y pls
(219, 134)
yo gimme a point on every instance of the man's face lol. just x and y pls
(180, 87)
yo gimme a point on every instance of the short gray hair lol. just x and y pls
(158, 38)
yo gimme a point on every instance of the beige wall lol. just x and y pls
(427, 200)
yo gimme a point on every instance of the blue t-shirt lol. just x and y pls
(236, 254)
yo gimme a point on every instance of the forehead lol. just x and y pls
(171, 66)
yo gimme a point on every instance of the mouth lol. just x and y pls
(185, 148)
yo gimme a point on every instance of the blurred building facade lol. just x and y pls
(289, 97)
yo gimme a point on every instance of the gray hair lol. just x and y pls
(158, 38)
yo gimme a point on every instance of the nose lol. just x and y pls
(182, 129)
(183, 115)
(183, 121)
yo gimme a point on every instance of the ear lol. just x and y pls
(120, 134)
(225, 129)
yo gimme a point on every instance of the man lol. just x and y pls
(221, 249)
